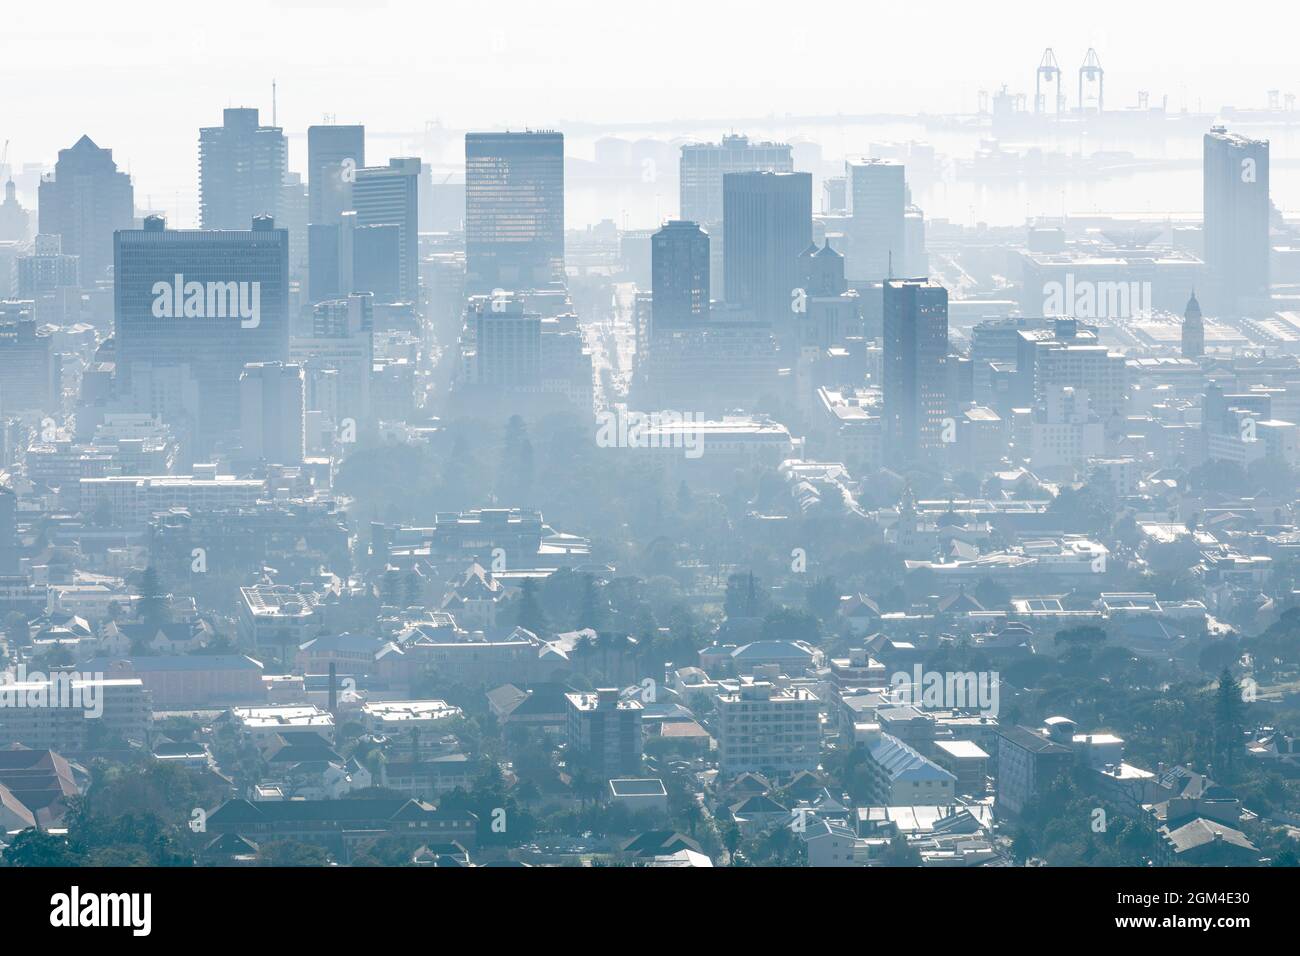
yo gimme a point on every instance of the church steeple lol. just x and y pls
(1193, 329)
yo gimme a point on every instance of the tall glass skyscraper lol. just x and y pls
(877, 197)
(209, 300)
(704, 164)
(1236, 222)
(389, 196)
(329, 148)
(514, 210)
(915, 366)
(679, 268)
(242, 166)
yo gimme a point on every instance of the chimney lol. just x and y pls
(334, 688)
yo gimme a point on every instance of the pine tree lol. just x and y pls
(530, 615)
(1229, 724)
(592, 614)
(152, 608)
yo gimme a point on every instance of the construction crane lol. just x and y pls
(1092, 72)
(1049, 71)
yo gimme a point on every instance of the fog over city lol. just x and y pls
(587, 435)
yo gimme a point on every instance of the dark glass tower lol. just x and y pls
(915, 366)
(679, 267)
(186, 297)
(514, 210)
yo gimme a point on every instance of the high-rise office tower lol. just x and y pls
(701, 169)
(377, 261)
(272, 413)
(1236, 221)
(915, 366)
(211, 300)
(84, 202)
(46, 269)
(389, 196)
(767, 223)
(679, 257)
(334, 154)
(704, 164)
(241, 168)
(30, 368)
(1193, 330)
(877, 196)
(293, 216)
(514, 210)
(14, 218)
(9, 563)
(507, 343)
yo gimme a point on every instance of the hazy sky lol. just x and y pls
(141, 77)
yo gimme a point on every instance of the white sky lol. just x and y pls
(142, 76)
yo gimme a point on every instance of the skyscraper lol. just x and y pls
(84, 202)
(514, 210)
(241, 168)
(389, 196)
(1236, 221)
(272, 413)
(334, 154)
(877, 196)
(1193, 330)
(767, 223)
(210, 300)
(915, 366)
(703, 166)
(679, 254)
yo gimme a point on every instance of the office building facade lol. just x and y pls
(209, 300)
(915, 366)
(85, 201)
(767, 224)
(1236, 184)
(514, 210)
(242, 167)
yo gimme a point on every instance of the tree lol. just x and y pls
(731, 838)
(17, 631)
(515, 480)
(592, 614)
(38, 848)
(991, 594)
(528, 614)
(152, 609)
(743, 596)
(1083, 635)
(791, 624)
(824, 598)
(900, 853)
(1229, 725)
(292, 853)
(412, 588)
